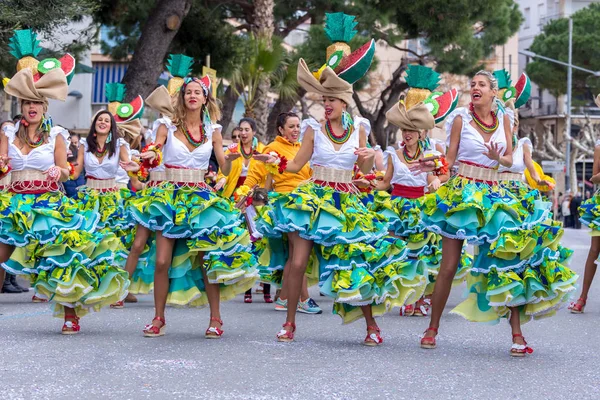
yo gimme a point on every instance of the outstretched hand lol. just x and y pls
(265, 158)
(232, 156)
(130, 166)
(493, 151)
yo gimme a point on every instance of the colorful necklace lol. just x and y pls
(101, 152)
(407, 156)
(487, 128)
(190, 138)
(338, 139)
(247, 156)
(37, 143)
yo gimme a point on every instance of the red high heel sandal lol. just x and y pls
(520, 350)
(285, 335)
(71, 325)
(429, 342)
(373, 339)
(153, 330)
(578, 306)
(213, 332)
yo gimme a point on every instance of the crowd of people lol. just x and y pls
(93, 221)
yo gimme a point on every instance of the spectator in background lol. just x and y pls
(588, 194)
(235, 134)
(566, 211)
(72, 152)
(574, 208)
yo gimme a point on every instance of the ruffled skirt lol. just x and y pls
(520, 267)
(203, 224)
(589, 214)
(69, 261)
(359, 263)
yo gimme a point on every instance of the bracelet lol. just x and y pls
(279, 165)
(156, 148)
(443, 169)
(71, 168)
(5, 170)
(242, 191)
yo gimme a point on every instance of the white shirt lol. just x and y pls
(403, 175)
(518, 166)
(472, 146)
(176, 153)
(40, 158)
(325, 155)
(108, 168)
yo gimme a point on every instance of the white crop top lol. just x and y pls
(518, 166)
(41, 158)
(471, 147)
(325, 155)
(108, 168)
(176, 153)
(403, 175)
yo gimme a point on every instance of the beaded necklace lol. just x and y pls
(338, 139)
(487, 128)
(101, 152)
(247, 156)
(407, 156)
(190, 138)
(33, 144)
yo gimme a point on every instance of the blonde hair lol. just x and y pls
(490, 77)
(22, 131)
(212, 106)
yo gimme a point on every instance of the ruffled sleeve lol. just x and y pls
(166, 121)
(389, 152)
(58, 130)
(211, 129)
(309, 122)
(83, 143)
(526, 142)
(123, 142)
(365, 123)
(511, 116)
(11, 132)
(459, 112)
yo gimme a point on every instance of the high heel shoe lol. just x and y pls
(429, 342)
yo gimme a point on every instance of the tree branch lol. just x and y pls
(292, 26)
(361, 108)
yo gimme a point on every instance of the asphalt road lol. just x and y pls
(110, 359)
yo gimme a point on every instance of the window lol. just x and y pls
(540, 11)
(527, 15)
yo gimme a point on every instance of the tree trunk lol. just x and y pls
(230, 99)
(281, 106)
(263, 28)
(147, 62)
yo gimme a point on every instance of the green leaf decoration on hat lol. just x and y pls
(24, 43)
(339, 27)
(422, 77)
(115, 92)
(179, 65)
(503, 78)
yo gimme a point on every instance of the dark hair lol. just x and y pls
(250, 122)
(282, 119)
(93, 142)
(236, 128)
(17, 118)
(260, 195)
(76, 134)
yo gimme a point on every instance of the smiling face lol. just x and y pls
(410, 138)
(33, 111)
(193, 96)
(103, 124)
(333, 107)
(482, 92)
(291, 129)
(246, 133)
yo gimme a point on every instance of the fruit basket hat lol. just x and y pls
(37, 80)
(343, 67)
(162, 98)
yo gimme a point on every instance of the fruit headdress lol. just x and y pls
(519, 93)
(161, 99)
(343, 67)
(127, 115)
(37, 80)
(423, 107)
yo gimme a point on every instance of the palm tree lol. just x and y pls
(263, 26)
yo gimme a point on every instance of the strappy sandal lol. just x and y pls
(153, 330)
(36, 299)
(578, 306)
(213, 332)
(286, 336)
(248, 298)
(520, 350)
(268, 299)
(407, 311)
(71, 325)
(118, 305)
(373, 339)
(422, 308)
(429, 342)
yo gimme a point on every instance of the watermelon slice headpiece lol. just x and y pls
(348, 65)
(520, 92)
(123, 112)
(25, 47)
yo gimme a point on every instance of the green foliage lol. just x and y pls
(553, 42)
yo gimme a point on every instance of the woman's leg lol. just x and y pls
(139, 243)
(588, 275)
(164, 257)
(297, 267)
(451, 251)
(213, 292)
(5, 253)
